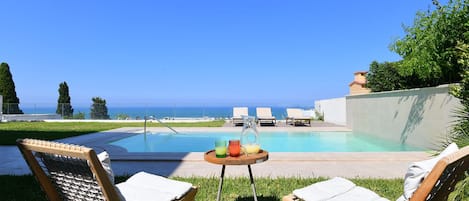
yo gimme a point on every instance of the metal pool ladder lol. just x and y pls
(153, 118)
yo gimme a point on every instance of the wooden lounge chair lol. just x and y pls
(264, 116)
(238, 113)
(440, 182)
(295, 115)
(71, 172)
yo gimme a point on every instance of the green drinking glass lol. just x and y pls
(220, 148)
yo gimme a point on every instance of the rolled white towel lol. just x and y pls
(417, 171)
(106, 163)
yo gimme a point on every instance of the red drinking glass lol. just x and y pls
(234, 147)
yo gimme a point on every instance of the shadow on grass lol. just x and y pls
(19, 188)
(259, 198)
(9, 137)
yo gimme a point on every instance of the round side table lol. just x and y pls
(243, 159)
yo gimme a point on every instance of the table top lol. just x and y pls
(243, 159)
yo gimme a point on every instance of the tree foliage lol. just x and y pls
(429, 47)
(64, 106)
(385, 77)
(7, 90)
(460, 130)
(462, 91)
(99, 109)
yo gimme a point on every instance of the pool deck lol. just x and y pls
(326, 164)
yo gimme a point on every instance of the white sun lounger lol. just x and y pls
(238, 113)
(264, 116)
(295, 115)
(434, 184)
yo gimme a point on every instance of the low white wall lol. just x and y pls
(194, 120)
(29, 117)
(420, 117)
(334, 110)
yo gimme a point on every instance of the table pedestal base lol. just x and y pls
(220, 185)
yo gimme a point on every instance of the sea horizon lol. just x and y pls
(162, 112)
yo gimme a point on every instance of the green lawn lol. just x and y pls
(11, 131)
(234, 189)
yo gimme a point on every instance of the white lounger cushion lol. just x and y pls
(324, 190)
(130, 192)
(144, 186)
(239, 112)
(336, 189)
(358, 193)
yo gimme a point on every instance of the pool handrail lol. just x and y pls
(159, 121)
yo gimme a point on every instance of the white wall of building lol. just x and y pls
(420, 117)
(334, 110)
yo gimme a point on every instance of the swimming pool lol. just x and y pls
(272, 141)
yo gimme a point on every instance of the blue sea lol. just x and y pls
(161, 112)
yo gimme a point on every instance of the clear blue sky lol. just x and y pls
(202, 53)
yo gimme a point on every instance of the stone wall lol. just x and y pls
(420, 117)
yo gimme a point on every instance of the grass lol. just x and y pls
(234, 189)
(11, 131)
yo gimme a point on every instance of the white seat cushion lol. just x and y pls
(324, 190)
(402, 198)
(145, 186)
(358, 193)
(130, 192)
(336, 189)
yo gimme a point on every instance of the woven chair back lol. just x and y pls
(67, 172)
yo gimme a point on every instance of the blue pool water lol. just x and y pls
(271, 141)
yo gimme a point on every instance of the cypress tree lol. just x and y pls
(64, 107)
(99, 109)
(7, 90)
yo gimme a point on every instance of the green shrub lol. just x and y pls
(79, 115)
(122, 117)
(319, 115)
